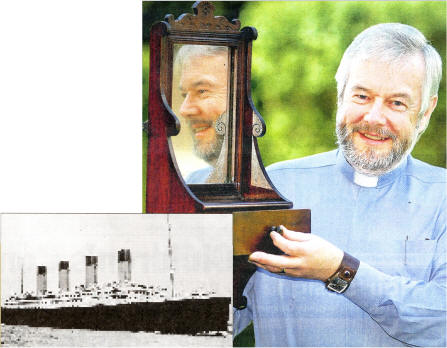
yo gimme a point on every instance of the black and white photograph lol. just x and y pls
(116, 280)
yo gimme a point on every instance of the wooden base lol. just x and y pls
(251, 232)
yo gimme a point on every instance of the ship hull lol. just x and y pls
(189, 316)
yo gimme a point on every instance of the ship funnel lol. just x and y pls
(41, 280)
(64, 270)
(91, 271)
(124, 265)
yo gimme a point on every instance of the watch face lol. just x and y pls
(337, 284)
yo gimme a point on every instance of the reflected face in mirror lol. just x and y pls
(203, 85)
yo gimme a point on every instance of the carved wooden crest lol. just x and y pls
(203, 19)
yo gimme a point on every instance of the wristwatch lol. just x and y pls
(343, 276)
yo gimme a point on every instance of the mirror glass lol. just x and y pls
(202, 91)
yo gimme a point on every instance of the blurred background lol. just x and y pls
(295, 58)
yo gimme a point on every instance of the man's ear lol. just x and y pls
(425, 119)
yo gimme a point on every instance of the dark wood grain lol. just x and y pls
(251, 232)
(251, 228)
(167, 191)
(203, 19)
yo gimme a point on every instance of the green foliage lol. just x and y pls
(295, 58)
(245, 338)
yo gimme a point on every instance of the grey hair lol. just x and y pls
(186, 52)
(392, 42)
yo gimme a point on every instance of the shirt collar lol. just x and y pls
(366, 181)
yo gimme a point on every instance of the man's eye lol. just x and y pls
(360, 98)
(184, 95)
(398, 105)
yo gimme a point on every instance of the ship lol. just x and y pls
(121, 305)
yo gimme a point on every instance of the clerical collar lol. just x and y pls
(365, 180)
(378, 181)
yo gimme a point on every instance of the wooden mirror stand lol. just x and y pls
(245, 185)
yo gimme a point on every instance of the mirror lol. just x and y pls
(202, 153)
(201, 99)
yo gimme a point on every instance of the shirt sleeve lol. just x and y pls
(412, 311)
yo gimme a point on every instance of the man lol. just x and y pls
(373, 271)
(203, 85)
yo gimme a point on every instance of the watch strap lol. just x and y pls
(348, 267)
(345, 273)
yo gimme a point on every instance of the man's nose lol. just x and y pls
(376, 113)
(189, 107)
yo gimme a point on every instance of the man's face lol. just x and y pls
(378, 117)
(203, 84)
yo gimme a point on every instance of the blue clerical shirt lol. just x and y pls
(199, 176)
(396, 229)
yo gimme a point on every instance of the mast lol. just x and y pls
(21, 280)
(171, 268)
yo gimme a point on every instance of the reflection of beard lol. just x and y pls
(208, 151)
(370, 161)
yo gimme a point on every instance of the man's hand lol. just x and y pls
(306, 256)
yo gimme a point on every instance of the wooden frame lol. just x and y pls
(167, 191)
(251, 232)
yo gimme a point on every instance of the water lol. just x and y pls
(16, 335)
